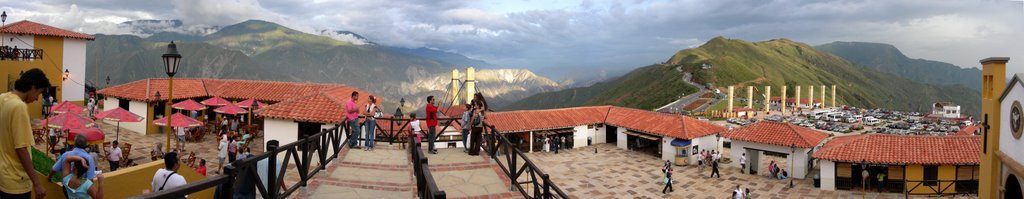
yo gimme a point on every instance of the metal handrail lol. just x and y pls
(541, 189)
(322, 143)
(8, 53)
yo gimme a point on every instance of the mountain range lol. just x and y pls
(261, 50)
(773, 63)
(888, 59)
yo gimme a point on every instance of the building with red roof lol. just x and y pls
(292, 105)
(915, 164)
(59, 53)
(661, 133)
(766, 138)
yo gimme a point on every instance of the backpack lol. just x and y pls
(478, 119)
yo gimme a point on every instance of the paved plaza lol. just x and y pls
(618, 173)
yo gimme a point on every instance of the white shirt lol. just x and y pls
(223, 148)
(52, 132)
(415, 126)
(181, 131)
(114, 154)
(158, 180)
(743, 159)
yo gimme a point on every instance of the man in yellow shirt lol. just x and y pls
(17, 180)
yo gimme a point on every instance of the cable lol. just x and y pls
(52, 64)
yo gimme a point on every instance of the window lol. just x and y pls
(123, 104)
(931, 175)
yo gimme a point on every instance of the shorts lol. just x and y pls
(181, 138)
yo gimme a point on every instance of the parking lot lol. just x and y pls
(844, 121)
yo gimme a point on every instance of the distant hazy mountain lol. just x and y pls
(776, 62)
(888, 59)
(262, 50)
(458, 60)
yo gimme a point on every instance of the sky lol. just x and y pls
(563, 38)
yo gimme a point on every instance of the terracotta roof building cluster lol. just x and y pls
(765, 138)
(663, 124)
(32, 28)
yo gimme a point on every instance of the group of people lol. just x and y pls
(775, 171)
(473, 124)
(371, 111)
(472, 121)
(709, 159)
(230, 148)
(556, 143)
(740, 193)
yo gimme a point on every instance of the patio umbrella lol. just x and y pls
(69, 121)
(92, 135)
(230, 109)
(67, 106)
(190, 105)
(179, 120)
(216, 101)
(119, 115)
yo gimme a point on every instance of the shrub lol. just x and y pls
(43, 163)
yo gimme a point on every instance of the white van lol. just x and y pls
(871, 121)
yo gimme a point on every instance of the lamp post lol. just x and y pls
(171, 60)
(255, 105)
(158, 102)
(791, 164)
(3, 22)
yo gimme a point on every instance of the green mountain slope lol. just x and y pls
(776, 63)
(254, 37)
(888, 59)
(647, 88)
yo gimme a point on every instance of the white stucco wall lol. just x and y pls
(798, 169)
(621, 139)
(600, 136)
(828, 175)
(582, 133)
(284, 131)
(1006, 140)
(20, 41)
(707, 142)
(73, 89)
(667, 151)
(139, 108)
(110, 103)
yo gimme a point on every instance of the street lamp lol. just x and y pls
(255, 105)
(171, 60)
(791, 162)
(3, 22)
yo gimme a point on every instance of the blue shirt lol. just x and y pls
(81, 192)
(59, 166)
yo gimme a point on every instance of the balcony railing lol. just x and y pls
(537, 183)
(426, 187)
(14, 53)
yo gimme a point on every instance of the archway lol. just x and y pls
(1012, 188)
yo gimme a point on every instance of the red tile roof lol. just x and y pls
(777, 133)
(967, 131)
(33, 28)
(301, 97)
(902, 149)
(650, 122)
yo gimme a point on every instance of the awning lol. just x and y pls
(642, 135)
(554, 132)
(678, 142)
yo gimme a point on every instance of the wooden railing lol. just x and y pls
(537, 183)
(242, 173)
(426, 187)
(9, 53)
(941, 187)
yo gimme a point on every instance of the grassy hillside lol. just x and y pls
(647, 88)
(776, 63)
(886, 58)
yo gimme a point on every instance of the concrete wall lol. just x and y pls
(74, 62)
(139, 108)
(704, 143)
(828, 175)
(621, 139)
(798, 169)
(916, 172)
(600, 136)
(667, 151)
(284, 131)
(583, 132)
(1009, 145)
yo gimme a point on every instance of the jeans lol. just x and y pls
(430, 137)
(113, 165)
(370, 132)
(354, 139)
(27, 195)
(465, 138)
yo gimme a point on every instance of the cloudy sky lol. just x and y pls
(560, 37)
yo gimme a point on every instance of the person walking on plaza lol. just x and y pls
(17, 179)
(114, 156)
(222, 152)
(352, 117)
(372, 113)
(431, 124)
(714, 169)
(466, 126)
(76, 185)
(668, 180)
(743, 163)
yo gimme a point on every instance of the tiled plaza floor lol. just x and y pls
(617, 173)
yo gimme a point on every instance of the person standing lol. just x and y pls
(743, 163)
(352, 113)
(91, 106)
(466, 116)
(714, 169)
(881, 181)
(431, 124)
(232, 149)
(668, 180)
(168, 177)
(181, 139)
(16, 177)
(480, 108)
(416, 131)
(202, 167)
(114, 156)
(222, 152)
(737, 193)
(547, 144)
(372, 113)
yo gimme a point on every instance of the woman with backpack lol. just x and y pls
(478, 117)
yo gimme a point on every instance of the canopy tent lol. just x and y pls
(216, 101)
(69, 121)
(92, 135)
(190, 105)
(67, 107)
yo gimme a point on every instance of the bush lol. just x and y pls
(43, 163)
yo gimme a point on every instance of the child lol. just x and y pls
(415, 127)
(202, 167)
(76, 186)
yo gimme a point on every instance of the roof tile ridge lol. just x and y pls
(323, 92)
(607, 113)
(283, 102)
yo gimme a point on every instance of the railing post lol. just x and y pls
(547, 185)
(272, 168)
(304, 161)
(228, 189)
(322, 151)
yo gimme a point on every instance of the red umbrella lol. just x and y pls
(247, 103)
(216, 101)
(230, 109)
(190, 105)
(69, 121)
(92, 135)
(67, 106)
(178, 120)
(119, 115)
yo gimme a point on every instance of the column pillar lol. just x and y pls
(797, 98)
(470, 83)
(732, 92)
(782, 104)
(833, 95)
(455, 87)
(822, 96)
(810, 96)
(767, 99)
(750, 97)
